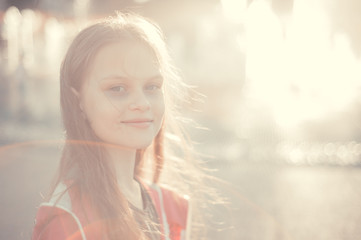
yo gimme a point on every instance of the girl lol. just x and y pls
(115, 86)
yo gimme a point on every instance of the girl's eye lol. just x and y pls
(153, 87)
(117, 89)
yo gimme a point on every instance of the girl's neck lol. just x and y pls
(123, 161)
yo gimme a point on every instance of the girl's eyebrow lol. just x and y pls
(113, 76)
(156, 77)
(124, 78)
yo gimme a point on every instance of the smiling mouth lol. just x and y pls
(138, 123)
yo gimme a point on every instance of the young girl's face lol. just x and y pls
(122, 95)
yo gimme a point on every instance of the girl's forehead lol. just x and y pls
(130, 58)
(127, 51)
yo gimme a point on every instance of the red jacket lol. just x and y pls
(63, 218)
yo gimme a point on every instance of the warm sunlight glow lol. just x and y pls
(234, 9)
(300, 72)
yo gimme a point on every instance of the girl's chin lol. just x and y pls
(129, 146)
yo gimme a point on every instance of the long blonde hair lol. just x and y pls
(83, 154)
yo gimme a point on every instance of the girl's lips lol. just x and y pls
(138, 123)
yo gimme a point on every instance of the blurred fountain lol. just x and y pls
(33, 49)
(27, 38)
(54, 46)
(12, 21)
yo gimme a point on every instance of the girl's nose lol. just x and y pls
(139, 102)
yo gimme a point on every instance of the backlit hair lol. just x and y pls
(83, 156)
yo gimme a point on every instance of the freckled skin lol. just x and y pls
(122, 95)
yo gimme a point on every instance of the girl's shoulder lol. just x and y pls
(173, 209)
(62, 217)
(54, 222)
(175, 205)
(55, 218)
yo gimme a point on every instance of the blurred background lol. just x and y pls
(282, 112)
